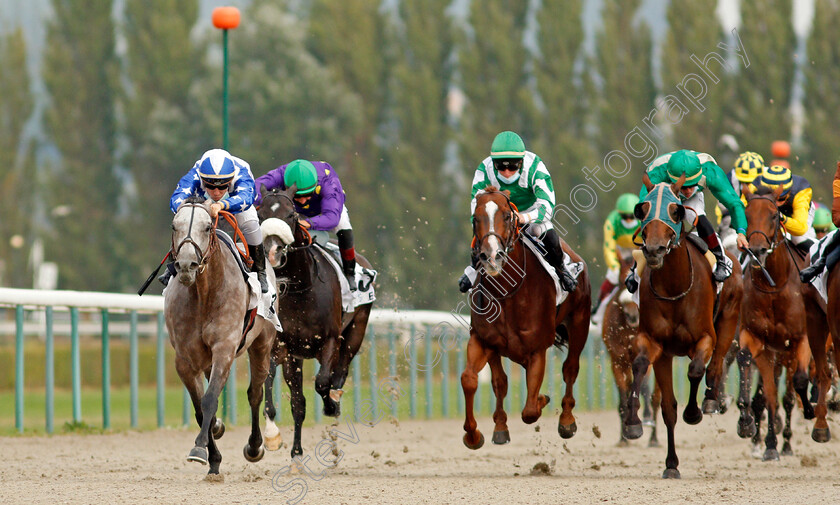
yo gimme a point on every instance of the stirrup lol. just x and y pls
(809, 273)
(722, 271)
(464, 283)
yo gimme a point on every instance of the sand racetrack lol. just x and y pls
(425, 462)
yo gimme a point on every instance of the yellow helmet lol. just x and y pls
(748, 166)
(777, 175)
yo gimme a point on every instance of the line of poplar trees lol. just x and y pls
(402, 98)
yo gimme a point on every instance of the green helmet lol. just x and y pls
(626, 203)
(302, 173)
(822, 219)
(685, 162)
(507, 145)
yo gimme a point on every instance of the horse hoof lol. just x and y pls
(198, 454)
(711, 406)
(501, 437)
(821, 435)
(770, 455)
(218, 429)
(567, 431)
(256, 457)
(476, 445)
(786, 449)
(632, 431)
(692, 416)
(746, 427)
(671, 473)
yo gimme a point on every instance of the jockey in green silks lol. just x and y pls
(701, 171)
(511, 168)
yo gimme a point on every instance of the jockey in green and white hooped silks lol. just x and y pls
(510, 167)
(701, 171)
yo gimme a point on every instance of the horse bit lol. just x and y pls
(202, 263)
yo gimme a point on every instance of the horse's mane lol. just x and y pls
(195, 199)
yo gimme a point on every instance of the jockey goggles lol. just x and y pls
(507, 164)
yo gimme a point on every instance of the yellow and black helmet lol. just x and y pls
(748, 166)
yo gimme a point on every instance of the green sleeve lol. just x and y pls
(720, 187)
(657, 175)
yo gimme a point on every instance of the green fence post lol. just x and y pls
(231, 394)
(508, 401)
(357, 388)
(76, 369)
(427, 343)
(186, 401)
(590, 374)
(552, 356)
(412, 369)
(602, 354)
(462, 357)
(106, 372)
(133, 366)
(318, 404)
(19, 368)
(49, 408)
(374, 388)
(523, 387)
(160, 376)
(278, 407)
(392, 365)
(444, 393)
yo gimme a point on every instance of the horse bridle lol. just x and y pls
(510, 241)
(211, 246)
(776, 231)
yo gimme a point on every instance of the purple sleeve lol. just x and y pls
(273, 179)
(332, 202)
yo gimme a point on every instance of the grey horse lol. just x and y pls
(205, 314)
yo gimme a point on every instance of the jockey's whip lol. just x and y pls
(154, 274)
(763, 270)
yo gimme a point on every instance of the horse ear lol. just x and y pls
(506, 193)
(677, 212)
(746, 189)
(640, 211)
(646, 182)
(777, 193)
(263, 190)
(292, 190)
(677, 186)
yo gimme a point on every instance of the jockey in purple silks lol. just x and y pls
(320, 198)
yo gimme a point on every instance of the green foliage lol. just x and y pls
(81, 73)
(761, 105)
(16, 105)
(695, 30)
(822, 97)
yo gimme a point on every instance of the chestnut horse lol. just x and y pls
(514, 314)
(773, 329)
(621, 322)
(205, 311)
(677, 315)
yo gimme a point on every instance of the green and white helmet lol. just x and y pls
(685, 162)
(507, 145)
(626, 203)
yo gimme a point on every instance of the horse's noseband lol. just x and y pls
(508, 243)
(202, 257)
(775, 242)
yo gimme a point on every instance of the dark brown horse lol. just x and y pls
(773, 329)
(514, 314)
(677, 307)
(310, 310)
(205, 311)
(621, 322)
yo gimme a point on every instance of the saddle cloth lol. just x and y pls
(821, 281)
(364, 293)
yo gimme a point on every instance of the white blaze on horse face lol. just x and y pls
(278, 227)
(492, 241)
(190, 222)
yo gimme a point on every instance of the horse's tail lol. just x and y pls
(561, 337)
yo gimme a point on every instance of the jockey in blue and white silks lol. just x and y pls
(228, 182)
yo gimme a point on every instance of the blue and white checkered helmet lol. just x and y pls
(216, 167)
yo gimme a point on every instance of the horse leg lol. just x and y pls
(656, 402)
(501, 435)
(222, 359)
(578, 330)
(800, 376)
(758, 405)
(817, 339)
(645, 394)
(696, 369)
(535, 402)
(632, 424)
(352, 338)
(623, 378)
(715, 371)
(195, 387)
(476, 359)
(746, 421)
(788, 402)
(766, 368)
(259, 359)
(273, 440)
(662, 369)
(328, 357)
(725, 398)
(293, 374)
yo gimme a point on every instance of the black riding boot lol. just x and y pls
(168, 272)
(554, 255)
(721, 269)
(257, 253)
(630, 281)
(464, 283)
(808, 274)
(707, 231)
(348, 257)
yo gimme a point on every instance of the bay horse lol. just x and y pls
(823, 319)
(678, 316)
(205, 312)
(774, 332)
(514, 314)
(310, 310)
(621, 322)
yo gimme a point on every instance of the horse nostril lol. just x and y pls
(482, 256)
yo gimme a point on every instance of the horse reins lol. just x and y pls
(780, 227)
(212, 246)
(509, 244)
(289, 248)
